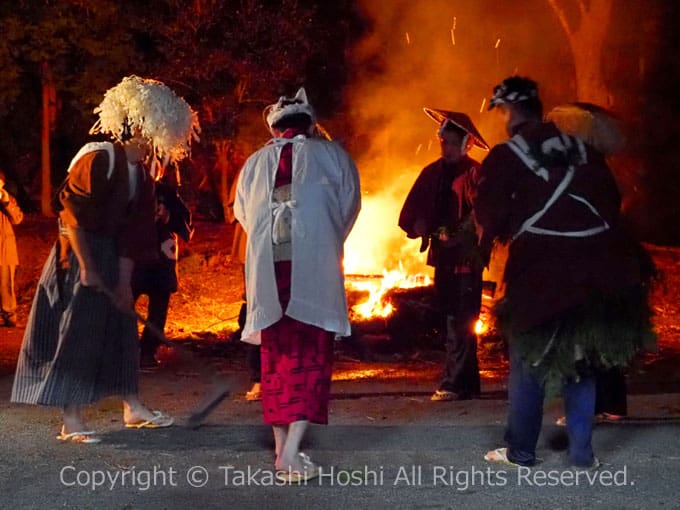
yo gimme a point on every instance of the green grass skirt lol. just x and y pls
(608, 330)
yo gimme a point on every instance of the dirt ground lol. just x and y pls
(381, 415)
(203, 314)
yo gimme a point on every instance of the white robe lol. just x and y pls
(326, 197)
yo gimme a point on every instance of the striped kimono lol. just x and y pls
(78, 347)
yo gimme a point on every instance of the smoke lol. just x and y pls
(449, 55)
(439, 54)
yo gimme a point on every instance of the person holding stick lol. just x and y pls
(81, 343)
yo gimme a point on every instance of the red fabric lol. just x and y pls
(284, 174)
(297, 362)
(297, 358)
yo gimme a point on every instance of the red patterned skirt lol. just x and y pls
(297, 362)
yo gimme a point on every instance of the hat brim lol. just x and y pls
(458, 119)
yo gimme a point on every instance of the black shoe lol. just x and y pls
(10, 323)
(148, 363)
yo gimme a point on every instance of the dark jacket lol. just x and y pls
(98, 203)
(440, 200)
(547, 275)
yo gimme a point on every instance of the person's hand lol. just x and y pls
(162, 213)
(91, 278)
(420, 227)
(123, 298)
(4, 196)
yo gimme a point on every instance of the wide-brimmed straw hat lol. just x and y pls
(459, 120)
(591, 123)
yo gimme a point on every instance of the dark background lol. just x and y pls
(229, 59)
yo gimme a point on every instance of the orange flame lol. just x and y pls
(378, 305)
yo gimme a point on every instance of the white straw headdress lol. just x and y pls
(155, 110)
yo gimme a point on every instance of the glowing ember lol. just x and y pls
(480, 327)
(353, 375)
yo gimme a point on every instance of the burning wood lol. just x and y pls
(413, 319)
(377, 303)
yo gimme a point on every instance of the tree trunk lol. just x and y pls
(587, 45)
(48, 105)
(587, 42)
(222, 169)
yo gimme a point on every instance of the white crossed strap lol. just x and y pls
(92, 147)
(520, 147)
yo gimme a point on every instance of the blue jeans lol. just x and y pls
(526, 394)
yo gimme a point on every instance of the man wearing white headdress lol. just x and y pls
(297, 199)
(80, 343)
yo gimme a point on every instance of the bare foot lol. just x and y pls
(300, 463)
(288, 464)
(73, 425)
(136, 414)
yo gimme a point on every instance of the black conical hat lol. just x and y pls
(459, 119)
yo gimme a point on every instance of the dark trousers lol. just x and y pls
(611, 393)
(459, 297)
(253, 351)
(157, 315)
(254, 363)
(525, 415)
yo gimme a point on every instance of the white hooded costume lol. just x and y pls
(324, 203)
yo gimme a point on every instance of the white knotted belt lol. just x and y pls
(281, 209)
(281, 231)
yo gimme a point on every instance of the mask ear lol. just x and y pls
(301, 95)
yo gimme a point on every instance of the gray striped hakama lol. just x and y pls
(78, 347)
